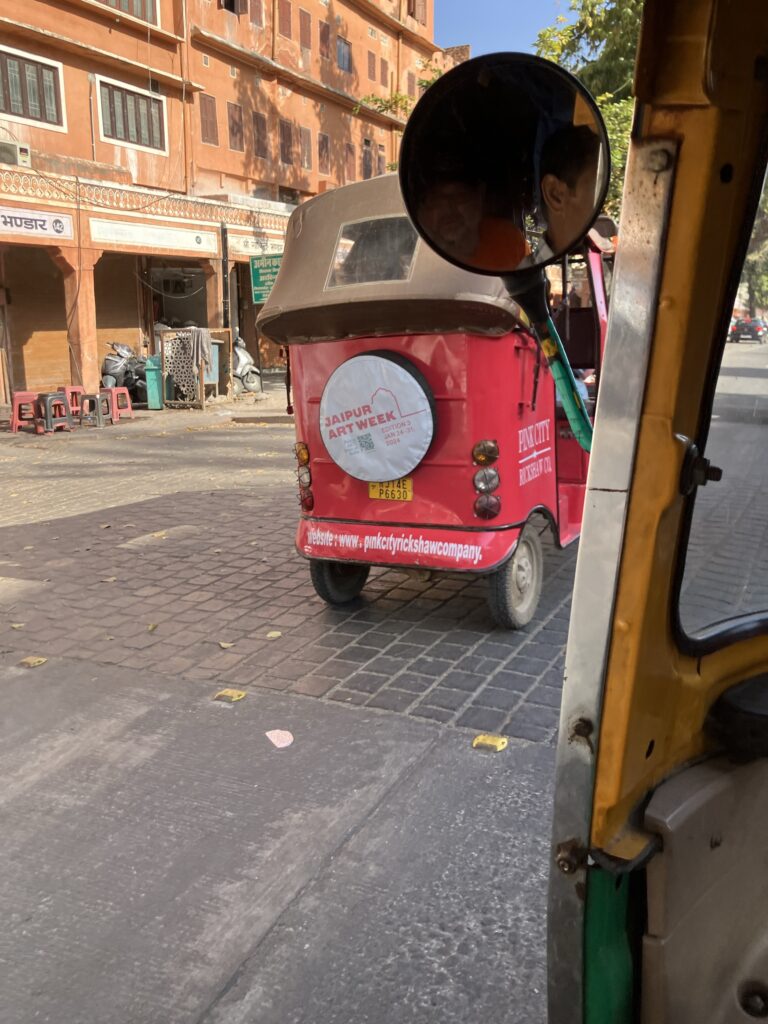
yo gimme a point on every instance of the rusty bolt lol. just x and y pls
(570, 856)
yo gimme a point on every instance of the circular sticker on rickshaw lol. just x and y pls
(377, 417)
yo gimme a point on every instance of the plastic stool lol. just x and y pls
(24, 411)
(73, 393)
(119, 410)
(53, 409)
(96, 409)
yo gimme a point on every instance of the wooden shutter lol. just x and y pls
(241, 6)
(349, 161)
(284, 18)
(324, 153)
(411, 84)
(209, 128)
(421, 11)
(305, 30)
(286, 142)
(325, 40)
(367, 159)
(385, 73)
(372, 65)
(257, 13)
(305, 141)
(235, 119)
(260, 147)
(381, 161)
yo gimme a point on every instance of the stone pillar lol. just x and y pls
(77, 267)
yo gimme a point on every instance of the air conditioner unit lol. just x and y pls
(15, 153)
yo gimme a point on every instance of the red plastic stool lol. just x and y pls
(24, 411)
(74, 394)
(117, 409)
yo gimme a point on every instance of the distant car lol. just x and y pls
(749, 329)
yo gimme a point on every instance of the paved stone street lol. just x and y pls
(159, 584)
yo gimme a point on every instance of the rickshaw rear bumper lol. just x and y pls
(422, 547)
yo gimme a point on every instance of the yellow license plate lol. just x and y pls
(392, 490)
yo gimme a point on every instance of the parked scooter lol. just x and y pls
(246, 374)
(122, 368)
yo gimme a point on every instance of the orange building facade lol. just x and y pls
(149, 148)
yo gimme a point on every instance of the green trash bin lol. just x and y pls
(154, 383)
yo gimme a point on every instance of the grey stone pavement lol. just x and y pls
(164, 863)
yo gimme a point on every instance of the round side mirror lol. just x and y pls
(504, 164)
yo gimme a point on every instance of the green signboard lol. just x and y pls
(263, 273)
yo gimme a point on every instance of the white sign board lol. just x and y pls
(17, 221)
(253, 245)
(375, 418)
(120, 232)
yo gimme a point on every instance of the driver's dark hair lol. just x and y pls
(568, 152)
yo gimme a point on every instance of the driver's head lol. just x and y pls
(451, 209)
(568, 170)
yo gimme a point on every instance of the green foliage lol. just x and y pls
(617, 115)
(755, 270)
(398, 104)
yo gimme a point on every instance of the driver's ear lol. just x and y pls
(553, 192)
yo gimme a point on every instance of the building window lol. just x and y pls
(133, 117)
(411, 84)
(385, 73)
(286, 142)
(324, 153)
(257, 13)
(235, 122)
(325, 40)
(145, 10)
(29, 89)
(367, 159)
(305, 30)
(234, 6)
(343, 54)
(209, 128)
(372, 65)
(381, 160)
(260, 145)
(418, 9)
(305, 142)
(349, 161)
(284, 18)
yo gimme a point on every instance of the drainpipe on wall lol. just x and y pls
(90, 107)
(190, 175)
(225, 275)
(274, 28)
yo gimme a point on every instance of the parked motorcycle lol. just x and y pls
(122, 368)
(245, 373)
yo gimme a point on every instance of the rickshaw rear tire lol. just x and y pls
(338, 583)
(514, 589)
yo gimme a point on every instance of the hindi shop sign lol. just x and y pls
(376, 418)
(17, 221)
(263, 275)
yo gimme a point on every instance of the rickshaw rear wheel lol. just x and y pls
(514, 589)
(338, 582)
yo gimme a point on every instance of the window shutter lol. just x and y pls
(305, 30)
(257, 13)
(372, 65)
(325, 39)
(411, 84)
(305, 136)
(367, 159)
(349, 161)
(324, 153)
(385, 73)
(286, 142)
(235, 119)
(421, 11)
(260, 135)
(241, 6)
(209, 128)
(284, 20)
(381, 161)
